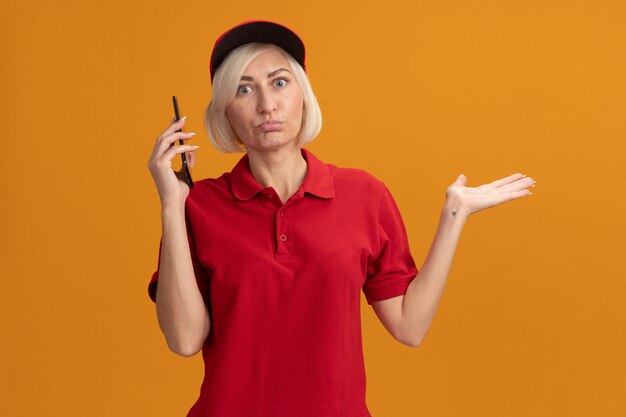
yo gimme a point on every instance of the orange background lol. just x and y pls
(532, 320)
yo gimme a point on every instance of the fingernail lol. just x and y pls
(184, 117)
(192, 133)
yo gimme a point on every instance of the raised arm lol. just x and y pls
(422, 298)
(181, 311)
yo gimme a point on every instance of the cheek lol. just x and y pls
(297, 105)
(235, 117)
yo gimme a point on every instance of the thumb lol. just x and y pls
(461, 180)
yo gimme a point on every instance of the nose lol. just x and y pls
(267, 103)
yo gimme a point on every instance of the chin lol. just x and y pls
(273, 141)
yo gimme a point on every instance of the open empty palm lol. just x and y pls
(472, 199)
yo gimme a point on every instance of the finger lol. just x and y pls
(169, 141)
(518, 185)
(515, 195)
(173, 127)
(461, 180)
(191, 159)
(159, 147)
(506, 180)
(172, 152)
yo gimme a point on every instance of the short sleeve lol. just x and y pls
(202, 275)
(390, 272)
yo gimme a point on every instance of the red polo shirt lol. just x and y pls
(282, 282)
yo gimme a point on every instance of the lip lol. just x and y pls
(271, 125)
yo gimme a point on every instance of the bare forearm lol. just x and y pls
(422, 297)
(181, 311)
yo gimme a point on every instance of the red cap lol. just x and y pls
(256, 31)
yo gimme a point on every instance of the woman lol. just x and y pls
(262, 268)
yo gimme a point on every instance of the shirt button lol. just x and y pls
(281, 214)
(268, 196)
(283, 237)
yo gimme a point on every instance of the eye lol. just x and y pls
(243, 89)
(281, 82)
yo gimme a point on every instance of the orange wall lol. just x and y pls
(532, 320)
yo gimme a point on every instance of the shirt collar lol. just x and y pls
(317, 181)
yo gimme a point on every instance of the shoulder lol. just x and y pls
(209, 188)
(355, 179)
(359, 185)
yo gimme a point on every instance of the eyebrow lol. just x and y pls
(270, 75)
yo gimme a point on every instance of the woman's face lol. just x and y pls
(266, 112)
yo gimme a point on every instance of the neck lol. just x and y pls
(283, 169)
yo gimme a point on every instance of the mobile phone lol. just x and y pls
(188, 179)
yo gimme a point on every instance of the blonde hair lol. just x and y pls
(225, 83)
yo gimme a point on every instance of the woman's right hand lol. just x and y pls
(173, 190)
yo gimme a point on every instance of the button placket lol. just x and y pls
(282, 233)
(281, 229)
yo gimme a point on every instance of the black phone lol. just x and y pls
(188, 179)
